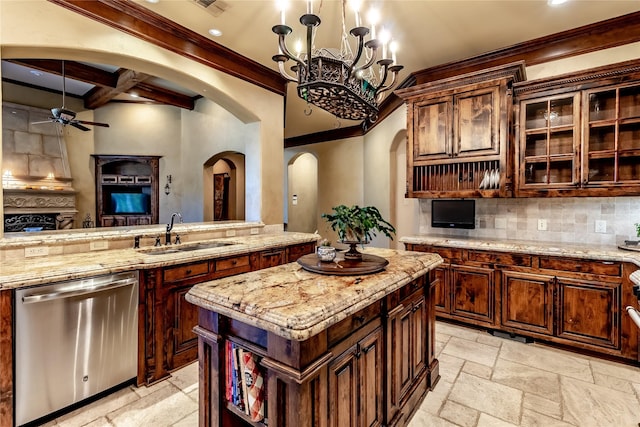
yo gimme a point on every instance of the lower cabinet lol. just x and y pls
(355, 384)
(571, 301)
(167, 319)
(406, 350)
(372, 368)
(527, 302)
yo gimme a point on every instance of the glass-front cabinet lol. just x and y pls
(550, 138)
(612, 136)
(579, 134)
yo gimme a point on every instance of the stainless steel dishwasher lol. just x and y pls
(73, 340)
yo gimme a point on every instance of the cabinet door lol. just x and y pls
(442, 290)
(473, 294)
(549, 143)
(477, 123)
(418, 336)
(139, 220)
(182, 316)
(527, 302)
(611, 147)
(432, 129)
(343, 390)
(589, 312)
(370, 383)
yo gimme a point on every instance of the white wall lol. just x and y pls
(303, 185)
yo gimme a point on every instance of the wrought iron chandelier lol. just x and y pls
(345, 84)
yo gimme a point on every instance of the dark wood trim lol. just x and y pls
(144, 24)
(72, 69)
(576, 41)
(6, 358)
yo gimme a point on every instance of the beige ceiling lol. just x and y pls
(430, 32)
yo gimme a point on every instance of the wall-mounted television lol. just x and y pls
(453, 213)
(130, 203)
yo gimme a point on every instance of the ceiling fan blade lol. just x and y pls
(44, 121)
(79, 126)
(104, 125)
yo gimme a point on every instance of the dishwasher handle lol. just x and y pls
(30, 299)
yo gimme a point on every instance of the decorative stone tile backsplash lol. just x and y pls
(569, 219)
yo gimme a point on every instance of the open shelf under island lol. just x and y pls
(329, 350)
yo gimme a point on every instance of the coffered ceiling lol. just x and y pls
(429, 32)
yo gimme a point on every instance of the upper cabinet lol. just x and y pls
(579, 134)
(458, 134)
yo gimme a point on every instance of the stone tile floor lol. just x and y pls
(485, 381)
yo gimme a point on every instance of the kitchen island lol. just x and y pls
(330, 350)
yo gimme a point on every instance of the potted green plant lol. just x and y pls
(355, 224)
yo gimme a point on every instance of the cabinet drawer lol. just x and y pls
(185, 271)
(295, 252)
(607, 268)
(500, 258)
(232, 263)
(347, 326)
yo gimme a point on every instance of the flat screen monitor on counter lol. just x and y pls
(453, 213)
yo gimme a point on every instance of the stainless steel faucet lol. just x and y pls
(167, 236)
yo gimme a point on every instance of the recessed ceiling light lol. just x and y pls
(215, 32)
(556, 2)
(152, 1)
(35, 72)
(134, 95)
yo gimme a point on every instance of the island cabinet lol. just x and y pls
(575, 302)
(167, 341)
(458, 132)
(371, 367)
(579, 134)
(6, 358)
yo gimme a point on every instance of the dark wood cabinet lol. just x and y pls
(167, 340)
(407, 354)
(473, 293)
(458, 134)
(527, 302)
(372, 368)
(579, 134)
(589, 312)
(355, 384)
(126, 190)
(571, 301)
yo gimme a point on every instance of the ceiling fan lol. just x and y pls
(67, 117)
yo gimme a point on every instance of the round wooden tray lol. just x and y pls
(343, 267)
(630, 247)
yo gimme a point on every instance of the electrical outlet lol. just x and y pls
(255, 231)
(542, 225)
(98, 245)
(231, 233)
(36, 251)
(601, 226)
(477, 222)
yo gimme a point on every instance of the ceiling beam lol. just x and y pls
(99, 96)
(165, 96)
(140, 22)
(72, 70)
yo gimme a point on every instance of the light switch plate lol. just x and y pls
(231, 233)
(542, 225)
(601, 226)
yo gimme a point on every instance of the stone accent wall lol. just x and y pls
(28, 149)
(569, 219)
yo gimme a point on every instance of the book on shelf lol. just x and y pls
(245, 382)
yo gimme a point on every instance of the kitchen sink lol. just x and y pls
(169, 249)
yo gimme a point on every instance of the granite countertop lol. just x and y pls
(296, 304)
(574, 250)
(55, 268)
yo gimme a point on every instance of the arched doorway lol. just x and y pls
(224, 187)
(302, 191)
(404, 212)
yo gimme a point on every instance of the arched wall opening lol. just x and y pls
(224, 187)
(404, 212)
(302, 193)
